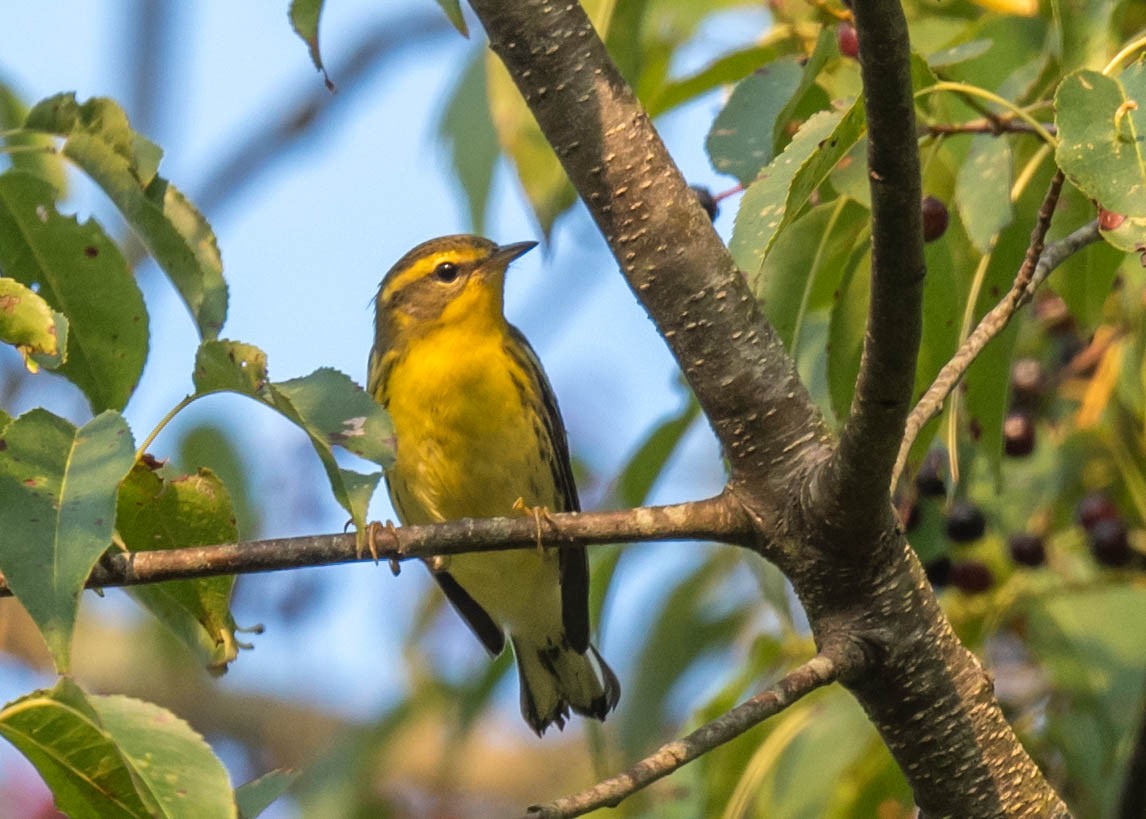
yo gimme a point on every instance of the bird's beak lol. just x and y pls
(507, 253)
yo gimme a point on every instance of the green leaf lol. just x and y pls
(80, 272)
(1088, 29)
(60, 732)
(43, 161)
(230, 366)
(341, 413)
(807, 262)
(982, 190)
(845, 332)
(100, 141)
(546, 187)
(724, 70)
(155, 512)
(27, 322)
(741, 139)
(304, 19)
(453, 10)
(57, 512)
(468, 133)
(1101, 126)
(771, 203)
(326, 404)
(256, 796)
(171, 764)
(648, 462)
(959, 53)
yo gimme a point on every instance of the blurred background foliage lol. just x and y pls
(365, 684)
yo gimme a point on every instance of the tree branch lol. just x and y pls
(720, 518)
(1027, 281)
(822, 669)
(669, 253)
(856, 487)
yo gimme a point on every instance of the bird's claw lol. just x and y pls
(538, 513)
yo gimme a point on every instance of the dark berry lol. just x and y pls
(929, 479)
(1027, 549)
(1018, 434)
(965, 522)
(971, 577)
(1094, 508)
(848, 40)
(1109, 220)
(704, 196)
(935, 218)
(1027, 382)
(939, 571)
(1109, 542)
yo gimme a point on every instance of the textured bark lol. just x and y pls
(853, 570)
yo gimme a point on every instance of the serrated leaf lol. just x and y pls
(983, 190)
(1101, 128)
(329, 407)
(61, 734)
(230, 366)
(804, 269)
(254, 797)
(740, 142)
(771, 203)
(304, 19)
(99, 139)
(453, 10)
(155, 512)
(27, 322)
(80, 272)
(341, 413)
(468, 133)
(170, 762)
(58, 487)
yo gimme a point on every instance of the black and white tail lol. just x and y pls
(557, 678)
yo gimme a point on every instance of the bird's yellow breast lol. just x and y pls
(468, 442)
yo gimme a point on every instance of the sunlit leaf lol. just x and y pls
(305, 16)
(254, 797)
(775, 200)
(453, 10)
(40, 157)
(80, 272)
(99, 139)
(1101, 121)
(58, 488)
(28, 323)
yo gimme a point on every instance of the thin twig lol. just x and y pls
(819, 671)
(987, 125)
(1039, 263)
(720, 519)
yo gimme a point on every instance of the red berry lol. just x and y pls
(1093, 508)
(1109, 542)
(935, 218)
(1027, 549)
(848, 40)
(971, 577)
(965, 522)
(1018, 434)
(1109, 220)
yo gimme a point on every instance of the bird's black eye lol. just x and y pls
(446, 272)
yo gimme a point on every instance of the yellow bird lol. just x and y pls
(479, 435)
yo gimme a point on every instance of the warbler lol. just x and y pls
(478, 434)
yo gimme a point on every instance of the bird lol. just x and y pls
(478, 433)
